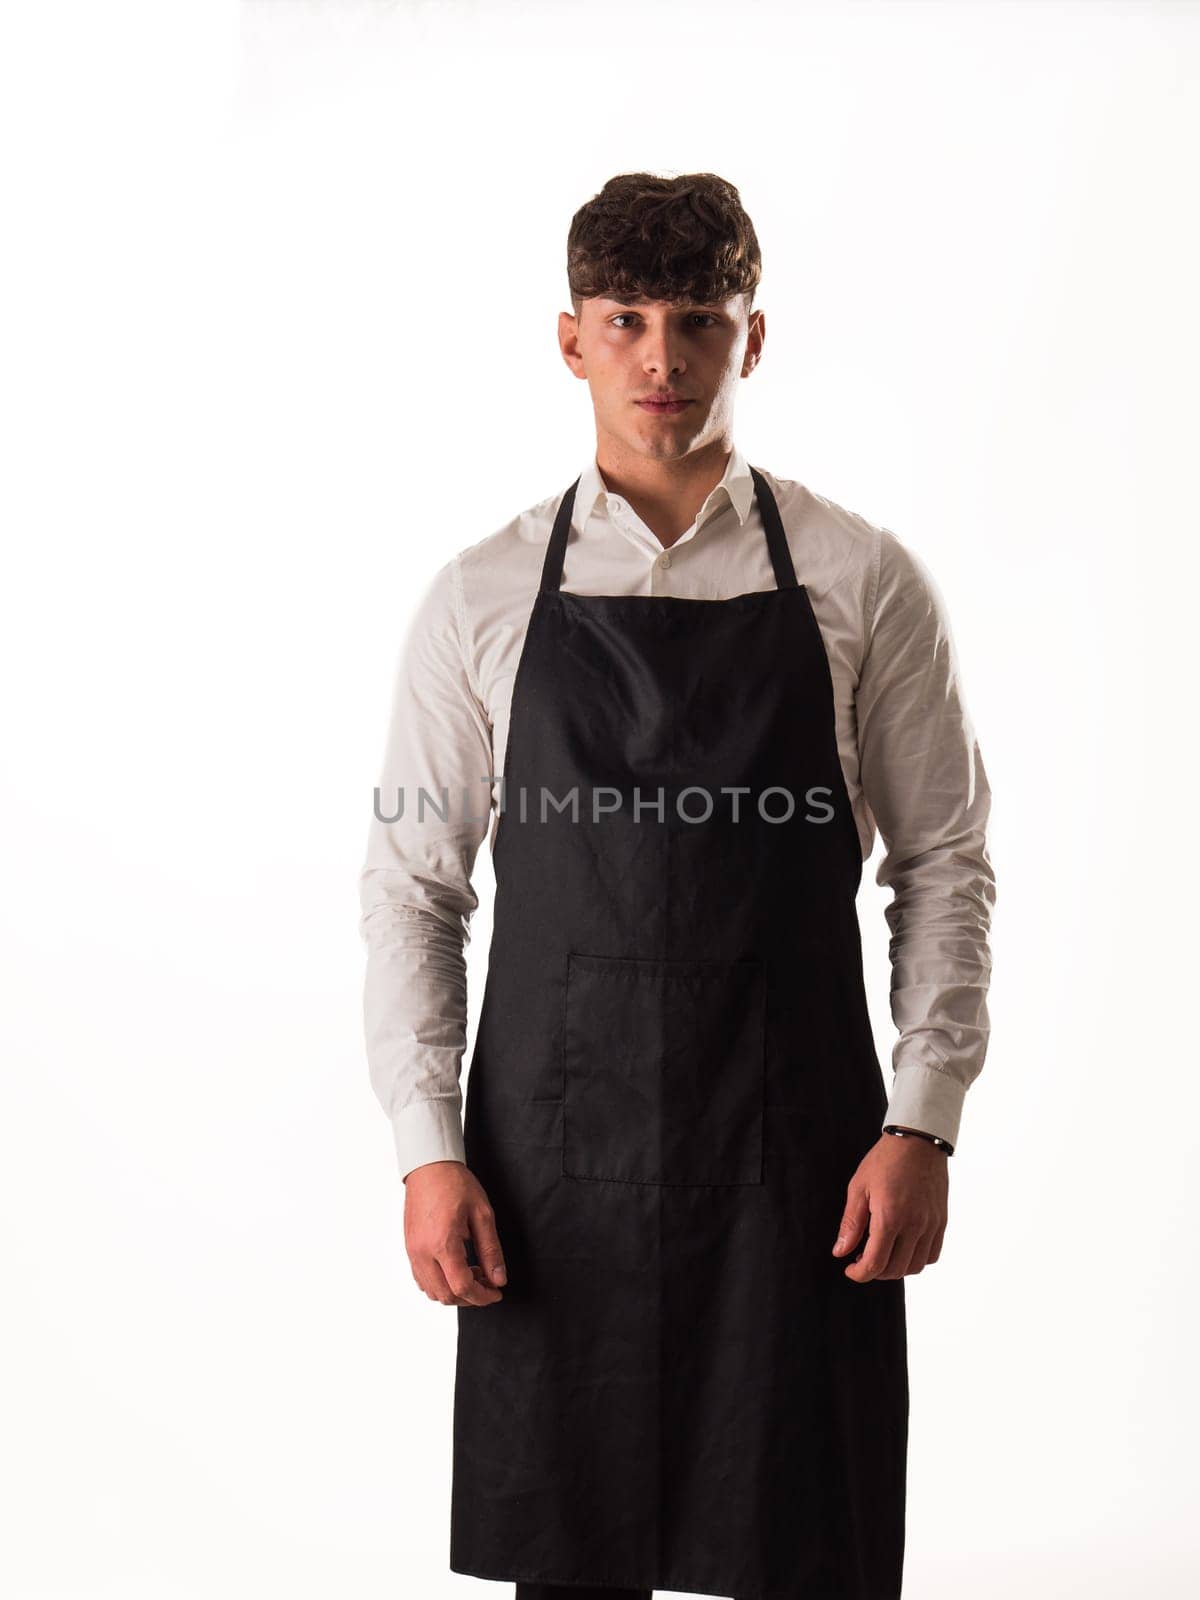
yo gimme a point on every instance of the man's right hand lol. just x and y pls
(444, 1204)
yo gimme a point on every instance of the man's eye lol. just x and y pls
(704, 316)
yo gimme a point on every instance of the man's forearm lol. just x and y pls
(941, 968)
(415, 1020)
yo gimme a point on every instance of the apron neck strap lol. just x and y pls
(781, 556)
(557, 548)
(777, 545)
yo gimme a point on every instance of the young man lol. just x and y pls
(676, 1224)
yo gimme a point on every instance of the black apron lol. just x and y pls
(673, 1080)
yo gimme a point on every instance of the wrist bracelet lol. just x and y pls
(917, 1133)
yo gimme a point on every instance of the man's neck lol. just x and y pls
(667, 495)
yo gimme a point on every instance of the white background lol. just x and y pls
(282, 288)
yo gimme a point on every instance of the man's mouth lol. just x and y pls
(663, 408)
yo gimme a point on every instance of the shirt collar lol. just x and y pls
(736, 485)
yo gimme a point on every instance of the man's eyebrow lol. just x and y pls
(690, 305)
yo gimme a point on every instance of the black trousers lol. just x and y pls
(563, 1591)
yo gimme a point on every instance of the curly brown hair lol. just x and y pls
(649, 238)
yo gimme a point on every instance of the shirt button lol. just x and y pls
(617, 505)
(664, 560)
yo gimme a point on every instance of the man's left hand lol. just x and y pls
(901, 1189)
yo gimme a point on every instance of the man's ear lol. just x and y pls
(754, 342)
(568, 342)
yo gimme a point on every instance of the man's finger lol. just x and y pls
(898, 1263)
(854, 1220)
(487, 1244)
(921, 1255)
(478, 1274)
(463, 1285)
(880, 1239)
(427, 1276)
(428, 1273)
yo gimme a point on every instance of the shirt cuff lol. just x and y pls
(428, 1130)
(926, 1099)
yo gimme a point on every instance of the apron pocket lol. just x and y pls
(663, 1070)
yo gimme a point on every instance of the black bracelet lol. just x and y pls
(942, 1144)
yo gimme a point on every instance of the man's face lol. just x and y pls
(631, 351)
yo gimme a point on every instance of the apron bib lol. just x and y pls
(673, 1080)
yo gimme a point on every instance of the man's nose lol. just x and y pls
(663, 356)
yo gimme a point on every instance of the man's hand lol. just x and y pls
(900, 1187)
(444, 1204)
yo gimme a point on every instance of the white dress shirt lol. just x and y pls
(911, 762)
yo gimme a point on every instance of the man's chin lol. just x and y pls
(663, 438)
